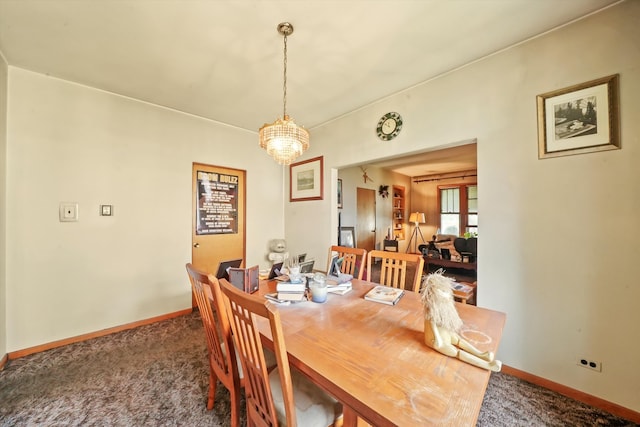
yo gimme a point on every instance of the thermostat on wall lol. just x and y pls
(68, 211)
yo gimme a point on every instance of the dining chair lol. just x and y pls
(223, 363)
(280, 396)
(353, 260)
(393, 269)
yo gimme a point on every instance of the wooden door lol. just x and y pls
(366, 218)
(219, 220)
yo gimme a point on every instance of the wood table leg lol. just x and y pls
(350, 419)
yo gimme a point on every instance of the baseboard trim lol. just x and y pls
(578, 395)
(31, 350)
(4, 361)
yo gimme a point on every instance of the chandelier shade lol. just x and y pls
(283, 139)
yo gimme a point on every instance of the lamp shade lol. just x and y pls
(417, 217)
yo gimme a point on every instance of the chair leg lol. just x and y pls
(213, 380)
(235, 408)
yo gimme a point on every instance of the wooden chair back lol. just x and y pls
(393, 270)
(354, 260)
(244, 311)
(222, 356)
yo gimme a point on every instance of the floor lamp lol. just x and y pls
(416, 218)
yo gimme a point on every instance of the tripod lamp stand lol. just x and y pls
(416, 218)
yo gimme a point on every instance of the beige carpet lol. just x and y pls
(156, 375)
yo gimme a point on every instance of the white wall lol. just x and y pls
(559, 236)
(71, 143)
(3, 180)
(310, 226)
(352, 180)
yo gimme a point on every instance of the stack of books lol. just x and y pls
(288, 291)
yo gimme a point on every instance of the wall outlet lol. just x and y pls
(590, 364)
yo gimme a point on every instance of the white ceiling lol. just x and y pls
(222, 59)
(461, 158)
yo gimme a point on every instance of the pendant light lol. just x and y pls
(283, 139)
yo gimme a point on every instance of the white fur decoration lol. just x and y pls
(437, 300)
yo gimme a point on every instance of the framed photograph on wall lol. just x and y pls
(306, 180)
(348, 237)
(339, 193)
(579, 119)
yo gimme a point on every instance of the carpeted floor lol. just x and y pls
(156, 375)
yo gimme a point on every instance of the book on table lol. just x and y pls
(291, 287)
(384, 295)
(291, 296)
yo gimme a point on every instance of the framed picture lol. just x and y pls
(306, 180)
(339, 193)
(579, 119)
(348, 237)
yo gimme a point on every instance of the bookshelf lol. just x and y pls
(398, 212)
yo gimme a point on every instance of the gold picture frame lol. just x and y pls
(579, 119)
(306, 180)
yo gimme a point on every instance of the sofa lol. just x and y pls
(456, 247)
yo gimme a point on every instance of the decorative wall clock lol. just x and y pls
(389, 126)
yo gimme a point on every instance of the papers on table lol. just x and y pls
(339, 279)
(295, 292)
(274, 297)
(340, 289)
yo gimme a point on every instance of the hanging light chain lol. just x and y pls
(283, 139)
(284, 86)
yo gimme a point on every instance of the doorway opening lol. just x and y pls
(411, 171)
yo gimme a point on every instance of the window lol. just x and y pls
(450, 211)
(458, 209)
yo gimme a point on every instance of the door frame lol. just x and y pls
(224, 245)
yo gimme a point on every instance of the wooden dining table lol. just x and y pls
(373, 359)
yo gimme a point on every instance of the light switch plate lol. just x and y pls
(106, 210)
(68, 211)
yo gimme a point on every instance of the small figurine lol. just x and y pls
(442, 323)
(278, 250)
